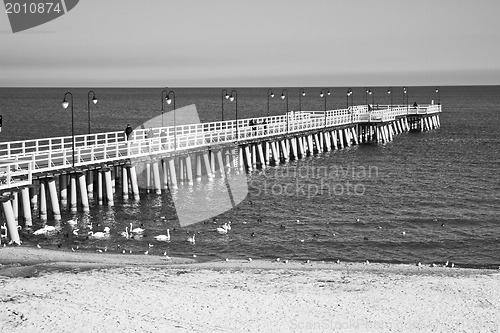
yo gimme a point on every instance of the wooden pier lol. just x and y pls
(44, 174)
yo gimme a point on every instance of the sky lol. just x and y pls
(257, 43)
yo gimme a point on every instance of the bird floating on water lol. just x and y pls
(163, 238)
(192, 239)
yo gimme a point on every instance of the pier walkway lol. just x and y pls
(30, 167)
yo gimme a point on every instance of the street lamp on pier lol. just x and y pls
(162, 98)
(234, 97)
(284, 95)
(226, 96)
(438, 96)
(169, 101)
(389, 91)
(94, 100)
(65, 105)
(372, 94)
(349, 93)
(269, 94)
(323, 94)
(405, 94)
(301, 94)
(366, 96)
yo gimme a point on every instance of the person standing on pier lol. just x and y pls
(128, 131)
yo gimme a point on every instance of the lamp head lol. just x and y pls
(272, 94)
(169, 100)
(94, 100)
(282, 96)
(321, 94)
(65, 104)
(328, 92)
(231, 98)
(303, 93)
(227, 96)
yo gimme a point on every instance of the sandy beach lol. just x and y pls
(57, 291)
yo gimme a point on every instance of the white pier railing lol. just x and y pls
(22, 158)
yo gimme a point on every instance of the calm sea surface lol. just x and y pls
(442, 188)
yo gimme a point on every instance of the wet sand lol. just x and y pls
(59, 291)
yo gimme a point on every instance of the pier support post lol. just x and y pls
(100, 192)
(208, 167)
(125, 182)
(286, 155)
(53, 199)
(134, 182)
(83, 192)
(63, 184)
(261, 156)
(11, 221)
(72, 198)
(248, 158)
(189, 170)
(90, 184)
(43, 200)
(109, 187)
(173, 175)
(156, 177)
(198, 167)
(25, 196)
(15, 205)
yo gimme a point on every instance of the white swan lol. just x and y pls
(191, 239)
(125, 233)
(163, 238)
(222, 230)
(136, 230)
(99, 234)
(45, 230)
(72, 222)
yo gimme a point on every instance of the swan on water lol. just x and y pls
(163, 238)
(125, 233)
(222, 230)
(45, 230)
(99, 234)
(136, 230)
(191, 239)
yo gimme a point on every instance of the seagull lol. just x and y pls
(403, 233)
(249, 259)
(37, 245)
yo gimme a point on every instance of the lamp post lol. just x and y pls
(269, 94)
(323, 94)
(235, 99)
(371, 93)
(439, 96)
(301, 94)
(163, 91)
(366, 96)
(284, 95)
(389, 93)
(94, 100)
(169, 100)
(349, 93)
(65, 105)
(405, 94)
(226, 96)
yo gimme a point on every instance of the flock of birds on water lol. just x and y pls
(138, 232)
